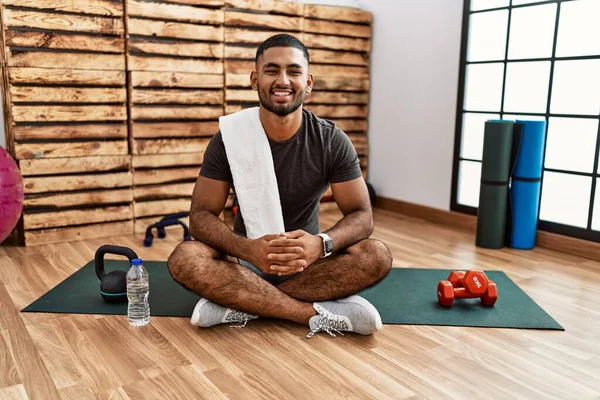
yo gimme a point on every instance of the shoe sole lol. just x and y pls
(196, 314)
(365, 303)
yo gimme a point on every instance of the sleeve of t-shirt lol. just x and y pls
(346, 165)
(215, 164)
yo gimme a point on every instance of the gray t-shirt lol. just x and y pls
(318, 154)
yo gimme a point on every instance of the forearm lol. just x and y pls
(210, 229)
(352, 228)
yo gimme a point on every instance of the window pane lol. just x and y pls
(571, 144)
(532, 32)
(519, 2)
(487, 4)
(472, 134)
(524, 117)
(565, 199)
(487, 36)
(483, 87)
(469, 177)
(527, 86)
(576, 87)
(578, 28)
(596, 212)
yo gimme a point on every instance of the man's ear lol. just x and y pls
(309, 83)
(254, 80)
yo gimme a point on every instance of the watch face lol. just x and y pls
(329, 245)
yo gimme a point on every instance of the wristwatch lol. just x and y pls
(327, 244)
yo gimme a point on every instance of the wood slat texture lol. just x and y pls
(327, 111)
(164, 175)
(337, 13)
(274, 22)
(167, 160)
(57, 166)
(175, 96)
(76, 217)
(62, 22)
(176, 79)
(351, 125)
(337, 83)
(66, 60)
(51, 40)
(174, 129)
(318, 97)
(339, 42)
(338, 57)
(69, 149)
(44, 113)
(174, 106)
(79, 131)
(65, 183)
(336, 42)
(164, 191)
(233, 95)
(144, 46)
(175, 112)
(337, 28)
(41, 94)
(90, 77)
(360, 143)
(161, 207)
(161, 64)
(78, 233)
(79, 199)
(243, 35)
(207, 3)
(95, 7)
(175, 30)
(173, 12)
(271, 6)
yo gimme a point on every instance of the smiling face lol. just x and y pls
(282, 79)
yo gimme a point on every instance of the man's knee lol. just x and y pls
(189, 257)
(376, 254)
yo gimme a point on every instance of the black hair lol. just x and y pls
(282, 40)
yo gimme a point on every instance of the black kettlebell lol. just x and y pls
(113, 286)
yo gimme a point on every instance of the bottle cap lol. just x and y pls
(136, 261)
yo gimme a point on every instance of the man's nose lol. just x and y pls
(283, 79)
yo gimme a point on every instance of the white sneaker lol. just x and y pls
(206, 314)
(352, 314)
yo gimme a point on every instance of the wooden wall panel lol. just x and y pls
(339, 43)
(176, 95)
(66, 98)
(110, 104)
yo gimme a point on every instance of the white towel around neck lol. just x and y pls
(251, 162)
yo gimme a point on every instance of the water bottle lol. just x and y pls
(138, 289)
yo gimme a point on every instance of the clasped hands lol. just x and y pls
(286, 253)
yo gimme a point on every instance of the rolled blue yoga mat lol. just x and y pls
(526, 184)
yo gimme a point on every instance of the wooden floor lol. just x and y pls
(48, 356)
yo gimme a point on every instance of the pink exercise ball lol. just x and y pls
(11, 194)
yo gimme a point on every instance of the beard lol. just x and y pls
(281, 110)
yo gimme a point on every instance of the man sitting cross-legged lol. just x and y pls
(298, 274)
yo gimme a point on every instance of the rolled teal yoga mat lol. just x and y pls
(526, 184)
(405, 296)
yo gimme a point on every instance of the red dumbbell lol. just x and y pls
(463, 285)
(456, 278)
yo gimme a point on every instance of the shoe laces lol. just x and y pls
(238, 317)
(329, 323)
